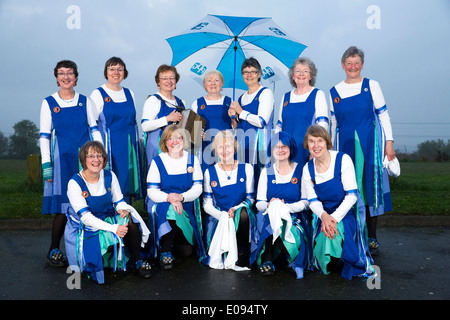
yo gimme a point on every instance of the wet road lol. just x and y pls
(413, 265)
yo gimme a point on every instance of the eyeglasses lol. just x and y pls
(63, 74)
(94, 156)
(167, 79)
(253, 72)
(301, 71)
(116, 69)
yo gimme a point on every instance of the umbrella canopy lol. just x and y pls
(224, 42)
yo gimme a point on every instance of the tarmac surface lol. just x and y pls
(413, 264)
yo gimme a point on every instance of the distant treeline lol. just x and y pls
(21, 143)
(430, 150)
(24, 141)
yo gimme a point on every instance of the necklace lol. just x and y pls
(226, 173)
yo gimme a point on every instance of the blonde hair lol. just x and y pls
(226, 135)
(167, 134)
(211, 73)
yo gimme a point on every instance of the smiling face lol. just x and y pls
(225, 151)
(213, 84)
(281, 152)
(302, 75)
(352, 67)
(94, 161)
(167, 81)
(251, 76)
(317, 146)
(115, 74)
(175, 144)
(66, 78)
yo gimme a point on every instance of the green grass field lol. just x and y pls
(422, 189)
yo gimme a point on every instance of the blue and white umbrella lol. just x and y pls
(224, 42)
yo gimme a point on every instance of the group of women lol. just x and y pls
(249, 197)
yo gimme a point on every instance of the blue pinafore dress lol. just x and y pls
(117, 123)
(253, 141)
(87, 248)
(296, 118)
(217, 119)
(299, 255)
(359, 134)
(151, 147)
(190, 220)
(226, 197)
(151, 139)
(351, 244)
(70, 132)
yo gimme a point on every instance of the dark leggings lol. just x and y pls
(175, 240)
(132, 240)
(371, 223)
(59, 225)
(269, 247)
(242, 233)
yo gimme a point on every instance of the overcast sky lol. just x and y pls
(406, 43)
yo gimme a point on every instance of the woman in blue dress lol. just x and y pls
(102, 230)
(117, 123)
(67, 121)
(340, 243)
(303, 106)
(252, 117)
(213, 107)
(174, 184)
(361, 128)
(160, 109)
(228, 199)
(283, 218)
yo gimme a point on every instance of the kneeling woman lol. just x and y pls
(281, 210)
(99, 224)
(330, 184)
(174, 183)
(228, 198)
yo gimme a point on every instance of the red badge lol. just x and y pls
(285, 104)
(213, 184)
(85, 194)
(107, 99)
(56, 109)
(294, 180)
(202, 106)
(337, 100)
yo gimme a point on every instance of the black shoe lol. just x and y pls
(267, 269)
(143, 269)
(56, 258)
(166, 260)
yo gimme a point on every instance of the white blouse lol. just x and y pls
(348, 179)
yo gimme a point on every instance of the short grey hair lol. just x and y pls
(306, 62)
(353, 51)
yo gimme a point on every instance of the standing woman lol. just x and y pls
(330, 184)
(228, 199)
(283, 217)
(303, 106)
(100, 223)
(67, 121)
(117, 123)
(214, 109)
(174, 183)
(361, 128)
(253, 117)
(160, 109)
